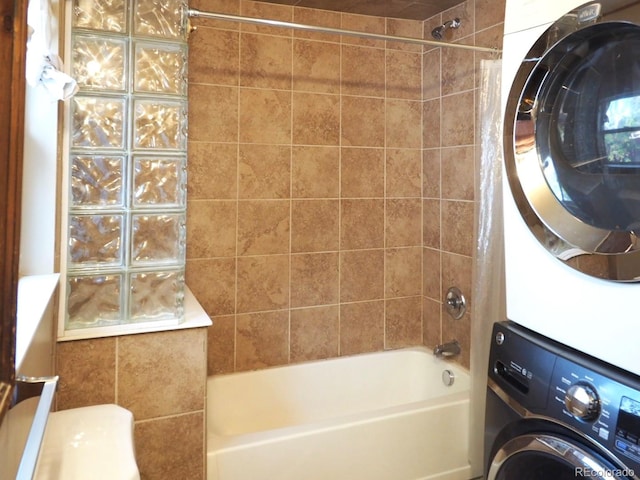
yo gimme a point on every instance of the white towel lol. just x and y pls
(44, 68)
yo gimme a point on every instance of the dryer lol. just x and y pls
(571, 99)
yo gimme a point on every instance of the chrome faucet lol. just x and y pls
(447, 350)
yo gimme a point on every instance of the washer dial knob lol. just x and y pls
(582, 401)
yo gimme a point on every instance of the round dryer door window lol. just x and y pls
(572, 144)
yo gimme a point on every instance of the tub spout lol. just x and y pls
(447, 350)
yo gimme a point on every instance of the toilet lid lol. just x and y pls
(90, 442)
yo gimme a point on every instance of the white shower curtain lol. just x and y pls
(488, 271)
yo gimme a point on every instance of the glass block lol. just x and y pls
(107, 15)
(156, 296)
(159, 182)
(160, 68)
(126, 234)
(99, 63)
(160, 125)
(95, 240)
(98, 122)
(97, 181)
(158, 239)
(93, 300)
(159, 18)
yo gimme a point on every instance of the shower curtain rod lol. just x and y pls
(192, 12)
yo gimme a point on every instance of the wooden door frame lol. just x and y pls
(13, 46)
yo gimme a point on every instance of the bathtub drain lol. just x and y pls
(448, 377)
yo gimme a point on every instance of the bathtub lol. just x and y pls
(376, 416)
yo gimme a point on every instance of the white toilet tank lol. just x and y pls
(90, 442)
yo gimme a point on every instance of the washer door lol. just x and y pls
(572, 142)
(545, 456)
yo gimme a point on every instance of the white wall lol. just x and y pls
(39, 196)
(37, 233)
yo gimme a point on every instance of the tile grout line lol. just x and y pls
(440, 226)
(237, 199)
(384, 201)
(340, 134)
(422, 175)
(290, 250)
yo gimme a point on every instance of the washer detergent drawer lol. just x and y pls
(520, 368)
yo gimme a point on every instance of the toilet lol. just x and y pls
(94, 442)
(89, 442)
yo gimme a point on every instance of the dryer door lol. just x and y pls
(537, 456)
(572, 141)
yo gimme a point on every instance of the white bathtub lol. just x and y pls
(377, 416)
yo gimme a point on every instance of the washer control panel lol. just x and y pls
(551, 380)
(603, 408)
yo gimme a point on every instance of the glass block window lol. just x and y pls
(127, 140)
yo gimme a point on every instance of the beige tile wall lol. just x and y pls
(331, 182)
(451, 149)
(304, 204)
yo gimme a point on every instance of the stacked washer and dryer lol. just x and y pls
(563, 396)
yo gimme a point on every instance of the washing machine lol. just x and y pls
(571, 103)
(554, 413)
